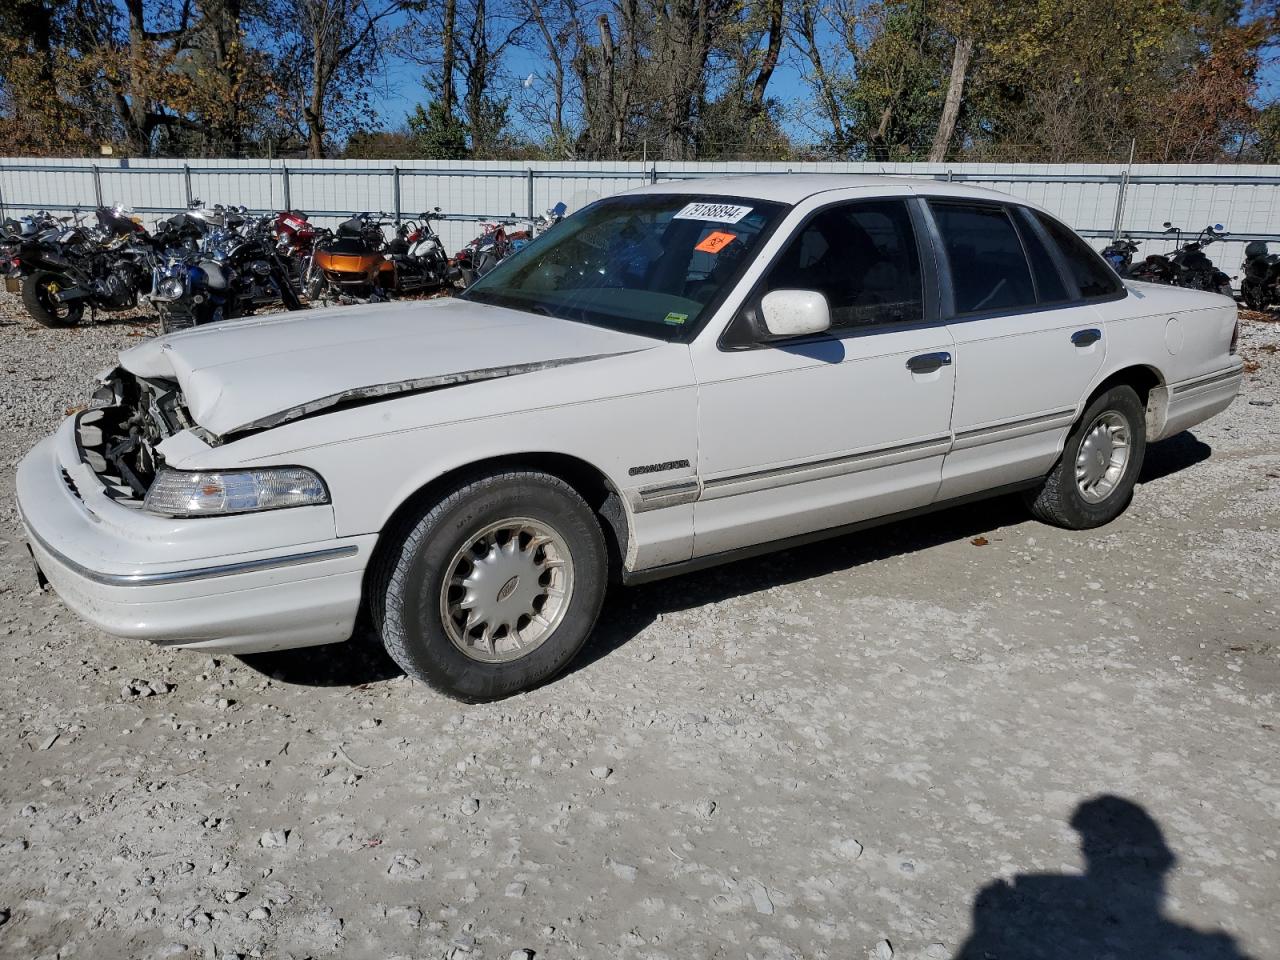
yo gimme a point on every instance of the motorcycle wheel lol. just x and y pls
(1254, 295)
(37, 296)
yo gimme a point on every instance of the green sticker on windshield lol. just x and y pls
(675, 318)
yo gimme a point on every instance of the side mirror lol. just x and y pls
(795, 313)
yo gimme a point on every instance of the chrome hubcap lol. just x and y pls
(507, 590)
(1102, 457)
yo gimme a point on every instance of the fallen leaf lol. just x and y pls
(979, 541)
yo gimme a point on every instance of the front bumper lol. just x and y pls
(239, 584)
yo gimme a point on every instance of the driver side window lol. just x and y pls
(863, 258)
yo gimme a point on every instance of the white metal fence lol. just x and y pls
(1095, 199)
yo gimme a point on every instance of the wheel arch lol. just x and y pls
(590, 482)
(1152, 390)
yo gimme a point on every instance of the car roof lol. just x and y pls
(792, 188)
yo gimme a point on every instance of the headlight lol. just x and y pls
(197, 493)
(171, 288)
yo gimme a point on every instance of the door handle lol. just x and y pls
(928, 362)
(1084, 338)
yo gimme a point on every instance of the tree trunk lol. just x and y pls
(449, 58)
(770, 61)
(955, 96)
(313, 113)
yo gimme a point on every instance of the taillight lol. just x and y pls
(1235, 338)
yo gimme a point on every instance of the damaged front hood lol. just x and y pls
(254, 374)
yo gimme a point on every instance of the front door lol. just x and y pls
(806, 435)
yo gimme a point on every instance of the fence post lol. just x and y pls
(395, 190)
(2, 210)
(97, 184)
(1122, 189)
(284, 181)
(186, 182)
(528, 179)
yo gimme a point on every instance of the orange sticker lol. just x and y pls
(716, 241)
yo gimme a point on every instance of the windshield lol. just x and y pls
(649, 264)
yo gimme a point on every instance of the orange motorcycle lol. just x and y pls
(350, 264)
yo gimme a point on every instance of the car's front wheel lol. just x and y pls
(1093, 481)
(494, 588)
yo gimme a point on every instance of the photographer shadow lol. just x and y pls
(1113, 910)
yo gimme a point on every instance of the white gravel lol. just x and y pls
(827, 753)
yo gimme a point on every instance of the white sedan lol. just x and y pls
(673, 377)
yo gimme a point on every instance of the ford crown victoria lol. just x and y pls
(671, 378)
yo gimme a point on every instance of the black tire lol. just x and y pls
(1254, 295)
(37, 297)
(1060, 501)
(410, 573)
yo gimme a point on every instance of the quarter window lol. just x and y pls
(1049, 285)
(1090, 271)
(989, 271)
(863, 258)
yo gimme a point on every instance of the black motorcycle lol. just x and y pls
(66, 266)
(1119, 253)
(218, 265)
(1188, 266)
(1260, 287)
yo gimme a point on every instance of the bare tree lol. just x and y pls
(339, 45)
(809, 28)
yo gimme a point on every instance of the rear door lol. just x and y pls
(1027, 345)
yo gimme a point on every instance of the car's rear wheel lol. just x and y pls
(1093, 481)
(494, 588)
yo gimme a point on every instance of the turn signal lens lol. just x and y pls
(194, 493)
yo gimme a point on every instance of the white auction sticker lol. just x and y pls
(717, 212)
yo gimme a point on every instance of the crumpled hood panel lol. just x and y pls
(242, 374)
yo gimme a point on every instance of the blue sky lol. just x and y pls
(402, 87)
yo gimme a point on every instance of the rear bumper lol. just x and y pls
(1199, 398)
(142, 577)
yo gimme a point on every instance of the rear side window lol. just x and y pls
(863, 258)
(1049, 285)
(1090, 271)
(989, 270)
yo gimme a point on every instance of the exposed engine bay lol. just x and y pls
(127, 419)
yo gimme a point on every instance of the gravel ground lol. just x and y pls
(876, 747)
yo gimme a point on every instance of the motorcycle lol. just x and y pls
(486, 251)
(496, 243)
(417, 254)
(229, 271)
(65, 266)
(349, 264)
(1119, 253)
(296, 238)
(1260, 287)
(1188, 266)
